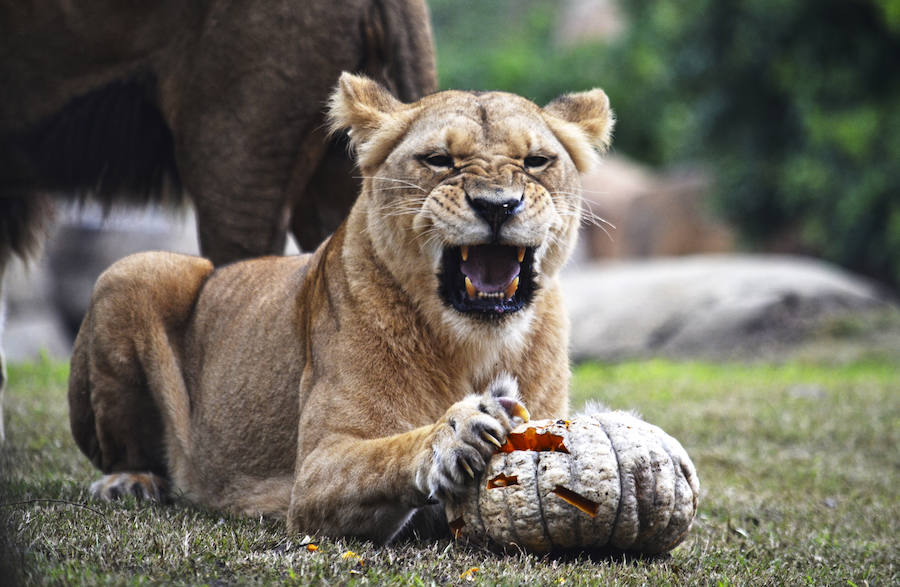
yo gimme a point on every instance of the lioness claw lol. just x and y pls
(490, 438)
(481, 425)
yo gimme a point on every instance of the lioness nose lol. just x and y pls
(494, 212)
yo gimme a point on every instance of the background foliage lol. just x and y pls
(794, 105)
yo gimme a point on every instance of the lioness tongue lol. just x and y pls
(491, 268)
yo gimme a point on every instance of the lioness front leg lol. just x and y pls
(471, 431)
(371, 487)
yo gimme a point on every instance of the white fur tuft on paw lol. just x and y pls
(504, 385)
(473, 429)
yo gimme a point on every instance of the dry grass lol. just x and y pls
(799, 465)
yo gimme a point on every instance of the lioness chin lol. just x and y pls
(351, 387)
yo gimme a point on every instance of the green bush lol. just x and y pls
(795, 104)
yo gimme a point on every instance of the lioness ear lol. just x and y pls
(583, 122)
(361, 105)
(375, 118)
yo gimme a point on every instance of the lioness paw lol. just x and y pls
(141, 485)
(471, 431)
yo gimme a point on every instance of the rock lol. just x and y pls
(34, 333)
(650, 213)
(706, 306)
(47, 298)
(31, 325)
(589, 21)
(87, 243)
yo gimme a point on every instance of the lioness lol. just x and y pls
(348, 388)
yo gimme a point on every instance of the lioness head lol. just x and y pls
(471, 198)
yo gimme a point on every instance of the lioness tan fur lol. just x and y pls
(349, 388)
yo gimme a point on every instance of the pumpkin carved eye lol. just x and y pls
(604, 480)
(502, 480)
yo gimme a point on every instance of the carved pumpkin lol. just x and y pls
(604, 480)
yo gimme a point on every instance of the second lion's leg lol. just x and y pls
(326, 197)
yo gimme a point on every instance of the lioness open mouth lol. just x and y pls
(487, 280)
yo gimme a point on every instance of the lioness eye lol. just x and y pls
(438, 160)
(535, 161)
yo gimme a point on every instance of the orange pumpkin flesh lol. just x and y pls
(456, 527)
(572, 498)
(531, 439)
(502, 480)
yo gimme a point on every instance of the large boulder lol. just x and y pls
(31, 326)
(649, 213)
(47, 298)
(707, 306)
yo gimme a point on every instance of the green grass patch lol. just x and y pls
(799, 468)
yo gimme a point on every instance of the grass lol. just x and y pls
(799, 465)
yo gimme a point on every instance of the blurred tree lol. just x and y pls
(794, 104)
